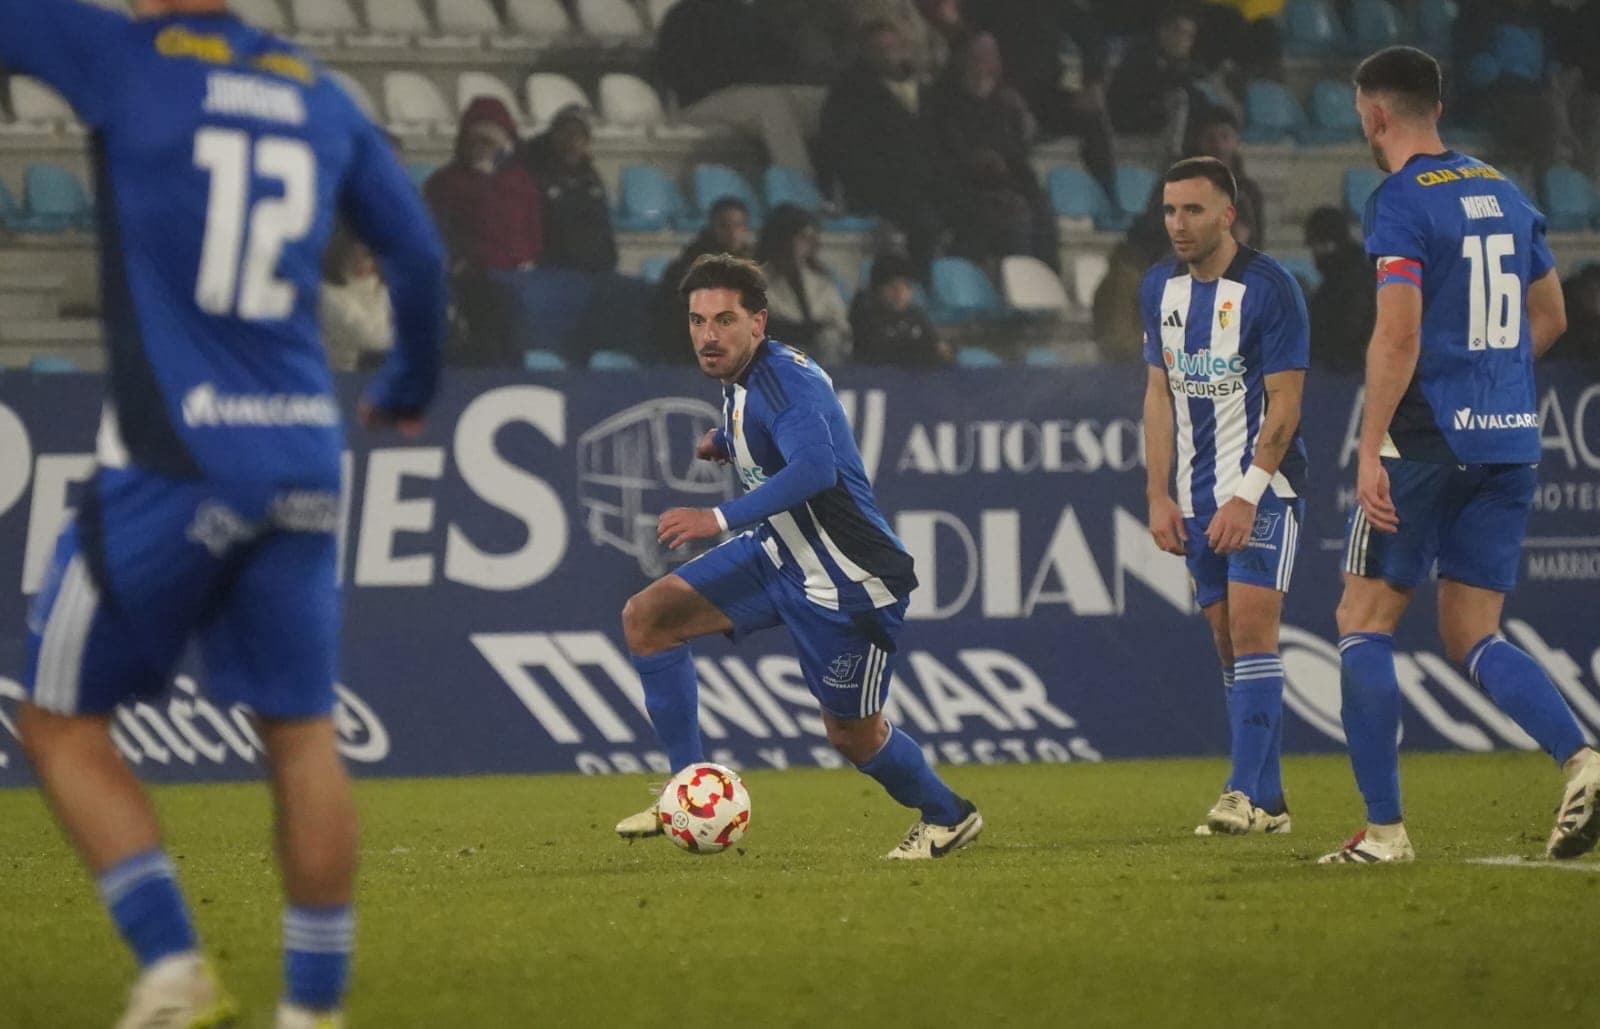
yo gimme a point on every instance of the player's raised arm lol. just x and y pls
(388, 215)
(1547, 313)
(1166, 521)
(70, 45)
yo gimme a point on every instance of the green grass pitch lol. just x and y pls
(507, 902)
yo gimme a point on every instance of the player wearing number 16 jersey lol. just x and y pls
(1467, 298)
(222, 159)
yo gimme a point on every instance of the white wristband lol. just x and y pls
(722, 520)
(1255, 483)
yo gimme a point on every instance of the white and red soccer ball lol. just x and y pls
(705, 808)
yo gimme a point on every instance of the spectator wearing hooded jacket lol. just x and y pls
(577, 215)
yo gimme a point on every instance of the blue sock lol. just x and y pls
(1519, 687)
(1255, 708)
(316, 955)
(141, 892)
(672, 696)
(1371, 714)
(1271, 782)
(902, 769)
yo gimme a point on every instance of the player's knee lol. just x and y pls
(858, 740)
(641, 627)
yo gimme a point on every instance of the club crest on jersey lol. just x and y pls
(1225, 314)
(1266, 526)
(842, 671)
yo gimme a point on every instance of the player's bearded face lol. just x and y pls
(1373, 123)
(1198, 215)
(725, 335)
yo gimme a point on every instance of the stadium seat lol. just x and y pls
(52, 364)
(420, 172)
(358, 93)
(653, 268)
(1310, 30)
(1358, 185)
(1569, 199)
(1136, 184)
(11, 213)
(1272, 114)
(538, 17)
(1374, 24)
(647, 201)
(961, 292)
(783, 185)
(1435, 23)
(1043, 356)
(467, 17)
(658, 11)
(1304, 269)
(712, 182)
(1074, 193)
(317, 20)
(978, 357)
(473, 84)
(1084, 275)
(37, 108)
(612, 361)
(415, 105)
(264, 14)
(610, 19)
(1333, 114)
(1031, 286)
(56, 201)
(629, 100)
(397, 18)
(549, 92)
(543, 361)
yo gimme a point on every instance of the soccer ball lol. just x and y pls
(705, 808)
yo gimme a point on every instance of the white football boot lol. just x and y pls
(179, 992)
(1260, 821)
(293, 1016)
(1578, 817)
(1231, 815)
(1373, 845)
(925, 841)
(645, 823)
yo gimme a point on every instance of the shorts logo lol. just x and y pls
(1266, 526)
(1463, 418)
(842, 671)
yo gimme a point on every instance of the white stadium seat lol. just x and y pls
(37, 108)
(629, 100)
(415, 106)
(469, 17)
(538, 17)
(1030, 285)
(658, 11)
(398, 17)
(473, 84)
(359, 93)
(263, 14)
(1086, 274)
(610, 18)
(549, 92)
(319, 19)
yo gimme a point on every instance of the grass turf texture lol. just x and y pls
(508, 902)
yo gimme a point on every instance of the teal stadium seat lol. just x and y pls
(961, 292)
(1074, 193)
(647, 201)
(712, 182)
(1310, 29)
(1272, 114)
(1374, 24)
(56, 200)
(1569, 199)
(1304, 269)
(53, 364)
(1135, 184)
(652, 268)
(1333, 114)
(612, 361)
(420, 172)
(1434, 26)
(783, 185)
(543, 361)
(1358, 185)
(978, 357)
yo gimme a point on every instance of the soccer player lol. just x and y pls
(223, 157)
(1228, 341)
(1467, 298)
(819, 559)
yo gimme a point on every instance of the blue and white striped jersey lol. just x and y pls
(782, 416)
(223, 157)
(1217, 342)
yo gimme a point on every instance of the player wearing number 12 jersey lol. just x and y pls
(1467, 298)
(222, 159)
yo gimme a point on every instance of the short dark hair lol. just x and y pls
(1210, 168)
(727, 203)
(1406, 73)
(888, 268)
(724, 271)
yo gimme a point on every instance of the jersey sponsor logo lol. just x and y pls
(1202, 362)
(1209, 390)
(1440, 176)
(205, 408)
(1467, 421)
(842, 671)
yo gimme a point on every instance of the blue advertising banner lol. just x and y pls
(485, 566)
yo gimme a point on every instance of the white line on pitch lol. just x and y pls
(1518, 861)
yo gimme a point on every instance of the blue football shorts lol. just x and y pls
(151, 563)
(1266, 560)
(1470, 519)
(848, 658)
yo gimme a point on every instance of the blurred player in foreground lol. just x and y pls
(222, 158)
(820, 560)
(1449, 449)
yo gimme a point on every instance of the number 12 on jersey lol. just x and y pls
(1495, 295)
(243, 244)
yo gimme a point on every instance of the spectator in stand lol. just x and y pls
(1030, 35)
(1215, 133)
(1576, 85)
(1118, 327)
(1581, 342)
(727, 231)
(722, 63)
(1241, 39)
(877, 145)
(487, 208)
(888, 326)
(804, 306)
(1344, 306)
(1505, 50)
(577, 215)
(357, 317)
(997, 206)
(1157, 88)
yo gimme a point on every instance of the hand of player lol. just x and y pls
(376, 419)
(1166, 524)
(683, 524)
(707, 449)
(1231, 526)
(1372, 493)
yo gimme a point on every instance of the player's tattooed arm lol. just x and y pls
(1166, 521)
(1282, 419)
